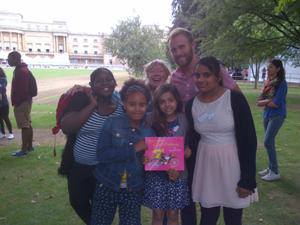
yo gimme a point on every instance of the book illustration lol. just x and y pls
(164, 153)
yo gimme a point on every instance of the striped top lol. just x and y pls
(87, 137)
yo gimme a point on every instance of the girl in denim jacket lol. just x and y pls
(120, 173)
(167, 192)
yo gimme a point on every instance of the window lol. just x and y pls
(95, 53)
(75, 39)
(38, 50)
(85, 40)
(47, 50)
(61, 51)
(14, 48)
(85, 52)
(7, 48)
(95, 40)
(75, 52)
(30, 49)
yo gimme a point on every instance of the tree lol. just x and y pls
(135, 45)
(243, 32)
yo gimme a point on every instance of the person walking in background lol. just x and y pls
(273, 99)
(4, 108)
(224, 174)
(263, 75)
(182, 48)
(21, 100)
(166, 192)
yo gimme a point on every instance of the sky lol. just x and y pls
(92, 15)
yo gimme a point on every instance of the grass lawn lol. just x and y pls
(32, 193)
(54, 73)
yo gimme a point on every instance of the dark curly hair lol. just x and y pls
(99, 71)
(134, 85)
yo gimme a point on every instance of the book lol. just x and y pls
(164, 153)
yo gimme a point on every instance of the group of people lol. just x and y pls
(103, 158)
(21, 100)
(106, 133)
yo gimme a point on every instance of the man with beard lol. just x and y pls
(182, 50)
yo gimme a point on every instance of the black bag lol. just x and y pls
(33, 91)
(67, 157)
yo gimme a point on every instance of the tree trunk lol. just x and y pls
(255, 71)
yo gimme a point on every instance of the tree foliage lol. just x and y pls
(135, 44)
(242, 32)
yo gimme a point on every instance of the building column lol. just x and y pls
(55, 44)
(10, 41)
(19, 43)
(65, 43)
(23, 42)
(1, 39)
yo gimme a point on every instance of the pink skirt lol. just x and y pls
(216, 174)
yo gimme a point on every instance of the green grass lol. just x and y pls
(32, 193)
(53, 73)
(42, 115)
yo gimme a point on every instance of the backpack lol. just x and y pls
(33, 91)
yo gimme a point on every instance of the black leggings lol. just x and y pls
(209, 216)
(81, 185)
(4, 112)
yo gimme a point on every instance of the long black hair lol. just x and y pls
(281, 73)
(213, 64)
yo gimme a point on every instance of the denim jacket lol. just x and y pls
(116, 153)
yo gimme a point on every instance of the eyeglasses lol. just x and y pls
(104, 81)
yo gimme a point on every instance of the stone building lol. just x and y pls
(50, 43)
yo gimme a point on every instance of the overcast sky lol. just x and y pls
(92, 15)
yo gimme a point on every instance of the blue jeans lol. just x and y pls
(272, 126)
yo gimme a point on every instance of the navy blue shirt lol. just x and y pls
(279, 99)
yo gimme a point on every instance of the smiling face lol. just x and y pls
(103, 85)
(181, 50)
(157, 76)
(135, 106)
(205, 80)
(168, 105)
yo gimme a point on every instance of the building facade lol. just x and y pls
(50, 43)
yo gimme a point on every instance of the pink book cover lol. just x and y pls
(164, 153)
